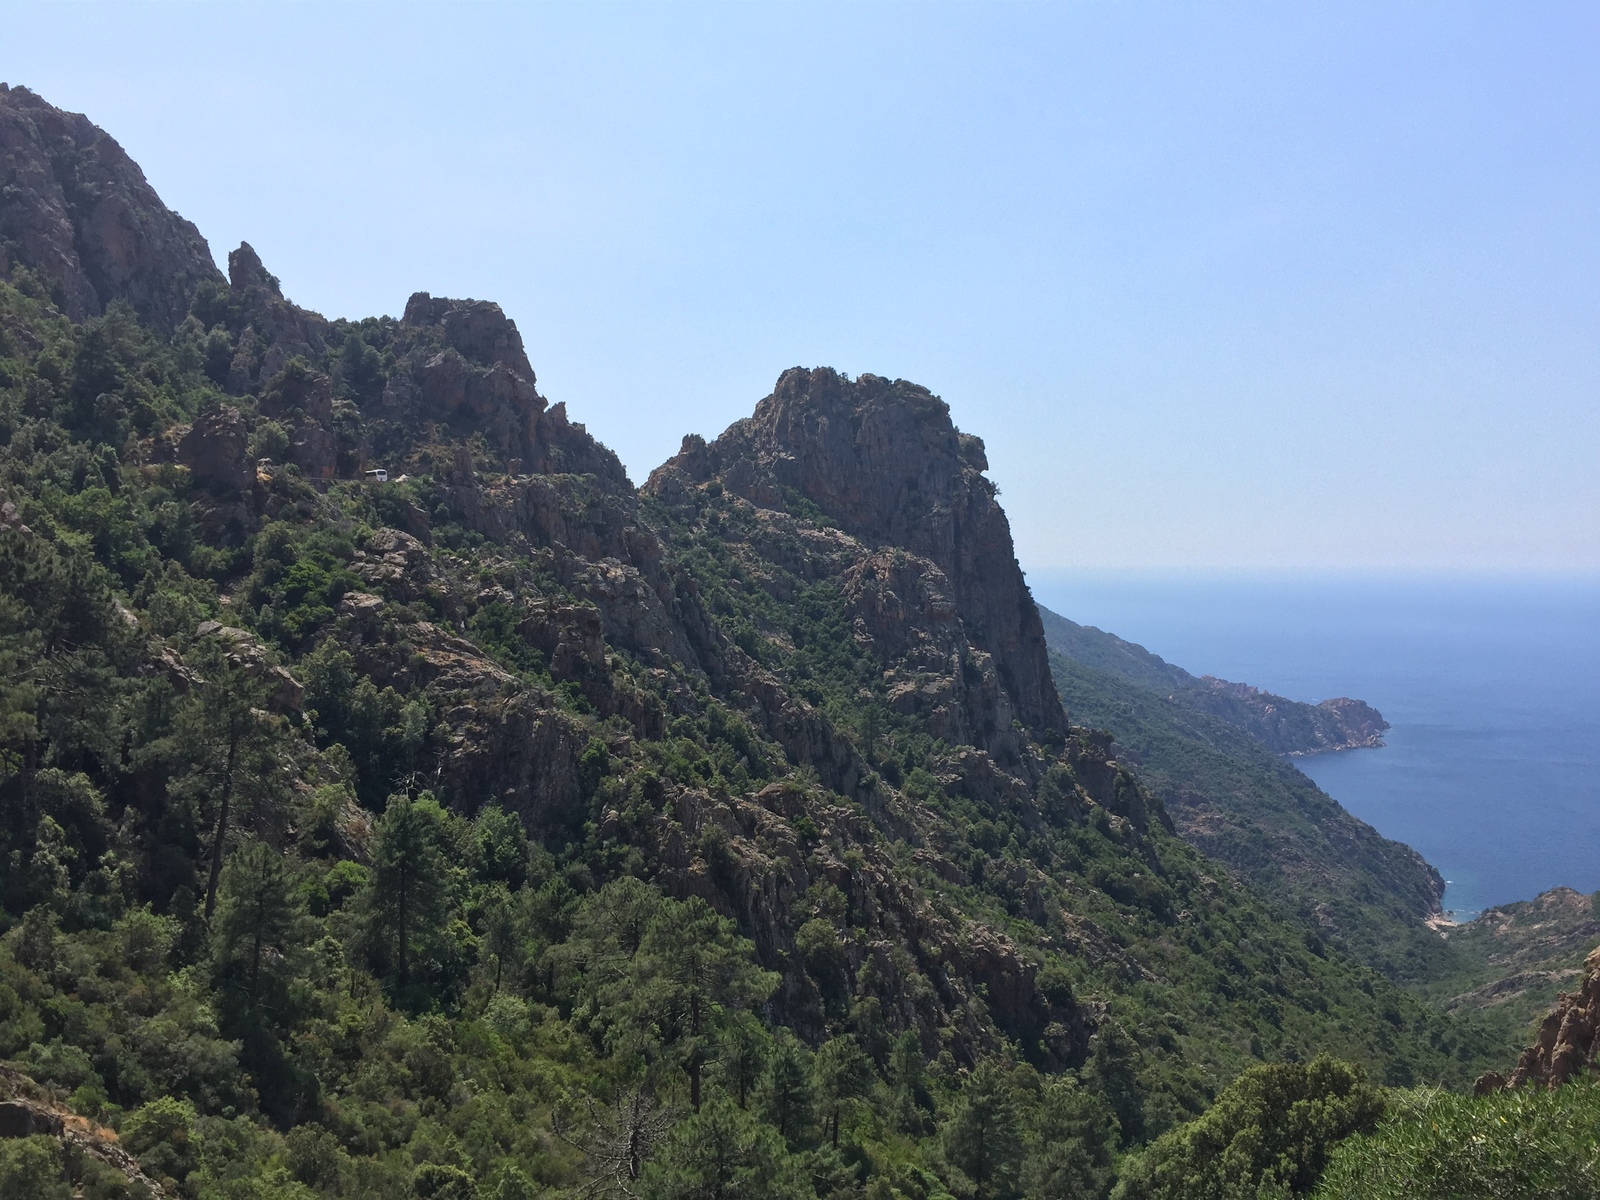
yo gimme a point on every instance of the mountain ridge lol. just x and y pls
(745, 796)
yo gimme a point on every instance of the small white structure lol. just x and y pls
(376, 475)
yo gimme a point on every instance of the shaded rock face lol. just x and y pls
(883, 459)
(20, 1119)
(903, 604)
(216, 450)
(76, 210)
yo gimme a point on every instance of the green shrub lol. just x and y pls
(30, 1169)
(161, 1135)
(439, 1181)
(1523, 1145)
(1269, 1134)
(270, 440)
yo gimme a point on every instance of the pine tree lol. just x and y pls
(1111, 1070)
(719, 1153)
(226, 737)
(409, 904)
(255, 924)
(692, 968)
(981, 1137)
(502, 935)
(787, 1097)
(908, 1075)
(743, 1056)
(843, 1073)
(1072, 1144)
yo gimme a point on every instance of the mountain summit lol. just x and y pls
(78, 211)
(882, 459)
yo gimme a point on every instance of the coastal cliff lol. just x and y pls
(1283, 726)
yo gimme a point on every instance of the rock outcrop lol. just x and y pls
(79, 214)
(1568, 1043)
(29, 1110)
(465, 370)
(246, 653)
(883, 460)
(216, 450)
(268, 331)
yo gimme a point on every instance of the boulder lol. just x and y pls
(217, 451)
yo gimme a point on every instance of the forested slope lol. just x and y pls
(501, 829)
(1233, 798)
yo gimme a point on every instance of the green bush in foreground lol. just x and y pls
(1523, 1145)
(1269, 1134)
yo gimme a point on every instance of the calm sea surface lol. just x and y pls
(1492, 685)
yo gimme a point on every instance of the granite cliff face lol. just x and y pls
(78, 212)
(883, 460)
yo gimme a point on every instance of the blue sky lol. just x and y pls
(1243, 286)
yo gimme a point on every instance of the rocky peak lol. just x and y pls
(478, 330)
(76, 210)
(269, 331)
(245, 271)
(883, 459)
(467, 370)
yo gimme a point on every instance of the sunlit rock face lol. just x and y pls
(882, 459)
(79, 214)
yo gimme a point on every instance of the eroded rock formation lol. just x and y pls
(80, 214)
(1568, 1044)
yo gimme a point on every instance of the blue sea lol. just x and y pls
(1491, 684)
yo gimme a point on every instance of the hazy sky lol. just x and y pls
(1220, 285)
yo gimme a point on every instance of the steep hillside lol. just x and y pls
(1239, 803)
(1281, 725)
(1513, 960)
(499, 827)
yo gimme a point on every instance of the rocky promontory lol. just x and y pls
(1283, 726)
